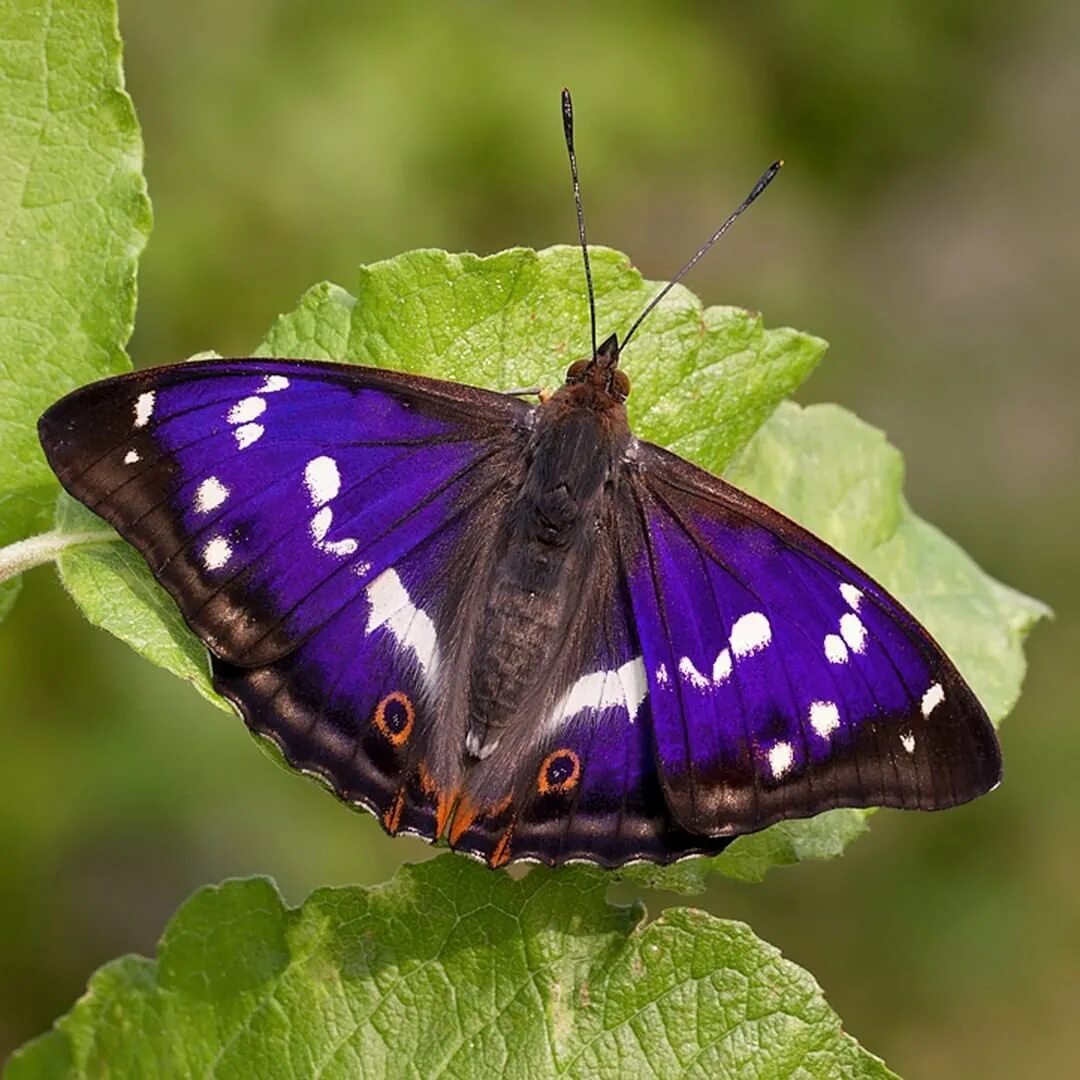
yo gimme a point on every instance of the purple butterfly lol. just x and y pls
(517, 626)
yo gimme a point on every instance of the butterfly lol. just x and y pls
(516, 625)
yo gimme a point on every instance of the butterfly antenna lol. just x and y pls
(568, 131)
(766, 179)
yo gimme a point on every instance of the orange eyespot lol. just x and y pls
(395, 716)
(620, 384)
(559, 772)
(576, 371)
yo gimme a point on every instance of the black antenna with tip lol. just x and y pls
(766, 179)
(568, 130)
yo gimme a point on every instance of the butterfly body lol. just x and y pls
(555, 541)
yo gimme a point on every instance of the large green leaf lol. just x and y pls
(449, 970)
(75, 213)
(703, 382)
(703, 378)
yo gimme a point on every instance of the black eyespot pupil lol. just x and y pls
(559, 771)
(396, 716)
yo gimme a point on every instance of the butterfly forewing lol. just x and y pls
(264, 493)
(305, 517)
(782, 680)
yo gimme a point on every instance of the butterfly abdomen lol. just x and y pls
(546, 549)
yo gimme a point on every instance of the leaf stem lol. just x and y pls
(46, 547)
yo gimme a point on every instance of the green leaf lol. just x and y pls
(448, 970)
(317, 330)
(9, 590)
(703, 379)
(751, 857)
(76, 216)
(114, 589)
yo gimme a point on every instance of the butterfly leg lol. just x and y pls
(542, 392)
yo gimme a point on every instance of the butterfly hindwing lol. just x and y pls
(306, 517)
(355, 701)
(587, 788)
(782, 680)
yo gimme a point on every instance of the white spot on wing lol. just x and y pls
(625, 687)
(247, 435)
(320, 524)
(824, 717)
(835, 649)
(851, 595)
(217, 553)
(907, 740)
(750, 634)
(721, 668)
(590, 691)
(392, 607)
(322, 479)
(345, 546)
(209, 495)
(323, 482)
(144, 408)
(932, 699)
(691, 674)
(131, 457)
(853, 632)
(781, 758)
(273, 383)
(635, 685)
(662, 678)
(246, 410)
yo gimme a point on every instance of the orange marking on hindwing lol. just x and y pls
(392, 817)
(427, 781)
(501, 855)
(467, 812)
(444, 800)
(464, 816)
(443, 808)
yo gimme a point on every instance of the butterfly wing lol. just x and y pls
(304, 516)
(728, 669)
(782, 681)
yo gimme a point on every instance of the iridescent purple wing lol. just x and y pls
(782, 681)
(303, 516)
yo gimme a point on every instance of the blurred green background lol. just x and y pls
(925, 225)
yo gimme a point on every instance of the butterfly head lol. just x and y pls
(602, 371)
